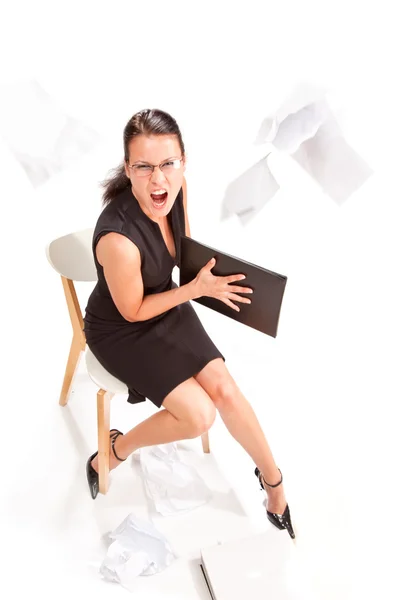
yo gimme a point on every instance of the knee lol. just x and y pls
(225, 393)
(202, 419)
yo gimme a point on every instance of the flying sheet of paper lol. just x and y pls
(172, 486)
(332, 162)
(246, 195)
(305, 128)
(298, 127)
(137, 549)
(41, 136)
(303, 95)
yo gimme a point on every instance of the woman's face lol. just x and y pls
(155, 150)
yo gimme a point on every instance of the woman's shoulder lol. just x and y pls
(115, 212)
(121, 217)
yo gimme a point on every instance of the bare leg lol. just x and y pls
(187, 413)
(160, 428)
(241, 421)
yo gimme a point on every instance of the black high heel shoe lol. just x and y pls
(91, 474)
(280, 521)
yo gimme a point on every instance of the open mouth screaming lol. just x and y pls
(159, 198)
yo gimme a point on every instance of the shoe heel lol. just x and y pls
(280, 521)
(91, 474)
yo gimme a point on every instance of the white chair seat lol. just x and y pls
(101, 377)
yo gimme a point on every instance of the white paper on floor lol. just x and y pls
(138, 549)
(172, 486)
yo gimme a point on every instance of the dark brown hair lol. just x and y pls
(145, 122)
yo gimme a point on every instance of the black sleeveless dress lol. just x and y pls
(151, 357)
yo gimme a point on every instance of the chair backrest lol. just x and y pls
(71, 256)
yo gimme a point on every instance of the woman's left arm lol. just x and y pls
(184, 190)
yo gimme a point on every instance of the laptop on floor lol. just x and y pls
(259, 567)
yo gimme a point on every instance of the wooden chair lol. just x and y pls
(71, 256)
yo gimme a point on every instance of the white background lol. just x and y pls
(326, 389)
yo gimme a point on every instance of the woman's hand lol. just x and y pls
(207, 284)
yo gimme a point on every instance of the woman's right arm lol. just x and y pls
(120, 259)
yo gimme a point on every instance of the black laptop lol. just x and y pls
(268, 287)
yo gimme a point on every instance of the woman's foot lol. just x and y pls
(276, 496)
(114, 462)
(277, 508)
(92, 464)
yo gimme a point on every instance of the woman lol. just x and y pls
(141, 326)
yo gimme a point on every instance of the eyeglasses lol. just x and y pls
(167, 167)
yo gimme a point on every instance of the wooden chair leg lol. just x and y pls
(103, 432)
(73, 359)
(206, 443)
